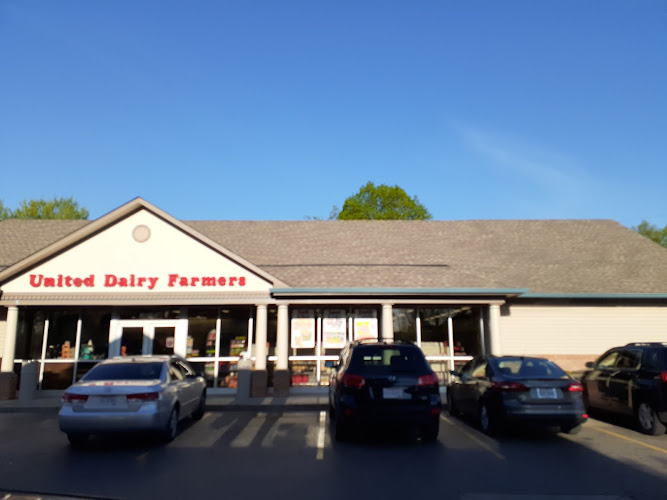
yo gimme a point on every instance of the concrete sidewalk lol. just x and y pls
(214, 402)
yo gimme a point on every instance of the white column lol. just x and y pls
(387, 322)
(260, 336)
(10, 339)
(282, 338)
(494, 330)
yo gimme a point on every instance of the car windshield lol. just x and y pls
(383, 359)
(526, 368)
(124, 371)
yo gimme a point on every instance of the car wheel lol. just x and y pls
(486, 421)
(453, 411)
(77, 440)
(171, 430)
(201, 407)
(430, 432)
(571, 429)
(647, 420)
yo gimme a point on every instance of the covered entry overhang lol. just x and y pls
(392, 314)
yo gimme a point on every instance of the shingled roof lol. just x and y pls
(545, 256)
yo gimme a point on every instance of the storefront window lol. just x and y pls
(302, 332)
(467, 331)
(434, 334)
(234, 331)
(153, 313)
(334, 331)
(405, 324)
(201, 332)
(233, 343)
(94, 335)
(303, 372)
(30, 334)
(61, 340)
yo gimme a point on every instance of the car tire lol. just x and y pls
(451, 408)
(171, 429)
(487, 422)
(429, 433)
(77, 440)
(571, 429)
(648, 421)
(201, 407)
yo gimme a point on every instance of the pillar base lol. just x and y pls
(8, 382)
(281, 380)
(258, 383)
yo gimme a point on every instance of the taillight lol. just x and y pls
(355, 381)
(68, 397)
(575, 387)
(144, 396)
(509, 387)
(430, 379)
(663, 376)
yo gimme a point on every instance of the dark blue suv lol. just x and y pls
(630, 380)
(383, 383)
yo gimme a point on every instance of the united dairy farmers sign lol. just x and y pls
(134, 281)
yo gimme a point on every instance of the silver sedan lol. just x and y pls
(132, 394)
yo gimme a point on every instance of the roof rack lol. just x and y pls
(650, 344)
(381, 341)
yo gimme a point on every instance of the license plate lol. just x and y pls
(107, 402)
(393, 393)
(551, 393)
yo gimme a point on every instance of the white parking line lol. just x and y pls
(635, 441)
(474, 438)
(321, 435)
(249, 432)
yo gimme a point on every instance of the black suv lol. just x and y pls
(382, 382)
(630, 380)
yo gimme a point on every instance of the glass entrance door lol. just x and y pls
(137, 337)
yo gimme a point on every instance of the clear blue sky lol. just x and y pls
(280, 109)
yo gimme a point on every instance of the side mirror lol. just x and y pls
(330, 364)
(590, 365)
(455, 373)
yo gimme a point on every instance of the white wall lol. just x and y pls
(579, 329)
(117, 254)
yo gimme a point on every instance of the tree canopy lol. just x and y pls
(57, 208)
(652, 232)
(381, 202)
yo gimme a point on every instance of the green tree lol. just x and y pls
(382, 202)
(58, 208)
(652, 232)
(5, 213)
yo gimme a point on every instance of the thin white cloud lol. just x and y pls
(527, 162)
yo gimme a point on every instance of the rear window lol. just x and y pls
(124, 371)
(383, 359)
(655, 359)
(525, 368)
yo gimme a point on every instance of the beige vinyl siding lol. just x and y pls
(571, 329)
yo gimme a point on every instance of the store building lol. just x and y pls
(289, 294)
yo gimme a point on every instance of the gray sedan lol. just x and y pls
(132, 394)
